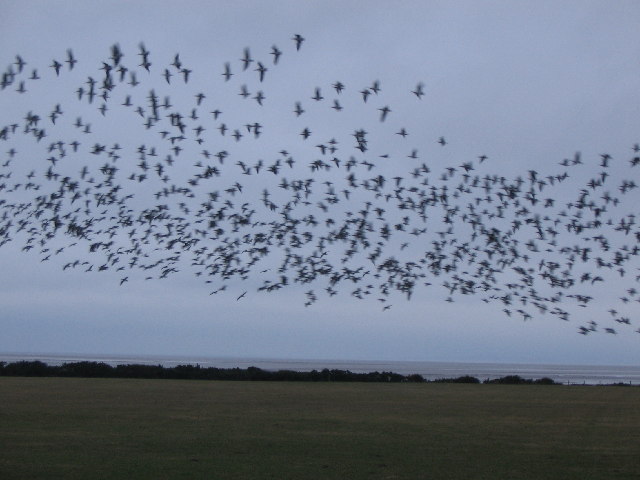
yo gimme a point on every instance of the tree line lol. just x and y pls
(87, 369)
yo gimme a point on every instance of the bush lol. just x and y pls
(509, 380)
(462, 379)
(546, 381)
(27, 369)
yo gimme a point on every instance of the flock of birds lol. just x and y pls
(195, 188)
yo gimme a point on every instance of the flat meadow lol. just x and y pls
(79, 428)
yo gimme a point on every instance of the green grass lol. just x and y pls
(164, 429)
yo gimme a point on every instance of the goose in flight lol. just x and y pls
(419, 92)
(246, 59)
(298, 39)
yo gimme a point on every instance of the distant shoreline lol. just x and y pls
(92, 369)
(429, 370)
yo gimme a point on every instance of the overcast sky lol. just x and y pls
(527, 84)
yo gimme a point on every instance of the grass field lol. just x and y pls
(164, 429)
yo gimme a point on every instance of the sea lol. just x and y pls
(566, 374)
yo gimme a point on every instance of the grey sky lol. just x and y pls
(525, 83)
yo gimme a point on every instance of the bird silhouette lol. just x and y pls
(353, 212)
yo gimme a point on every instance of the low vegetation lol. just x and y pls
(87, 369)
(106, 428)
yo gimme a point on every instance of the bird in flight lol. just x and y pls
(20, 63)
(357, 212)
(246, 59)
(384, 111)
(419, 91)
(56, 66)
(262, 70)
(298, 39)
(227, 72)
(70, 59)
(276, 54)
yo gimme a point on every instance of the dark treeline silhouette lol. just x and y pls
(192, 372)
(518, 380)
(88, 369)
